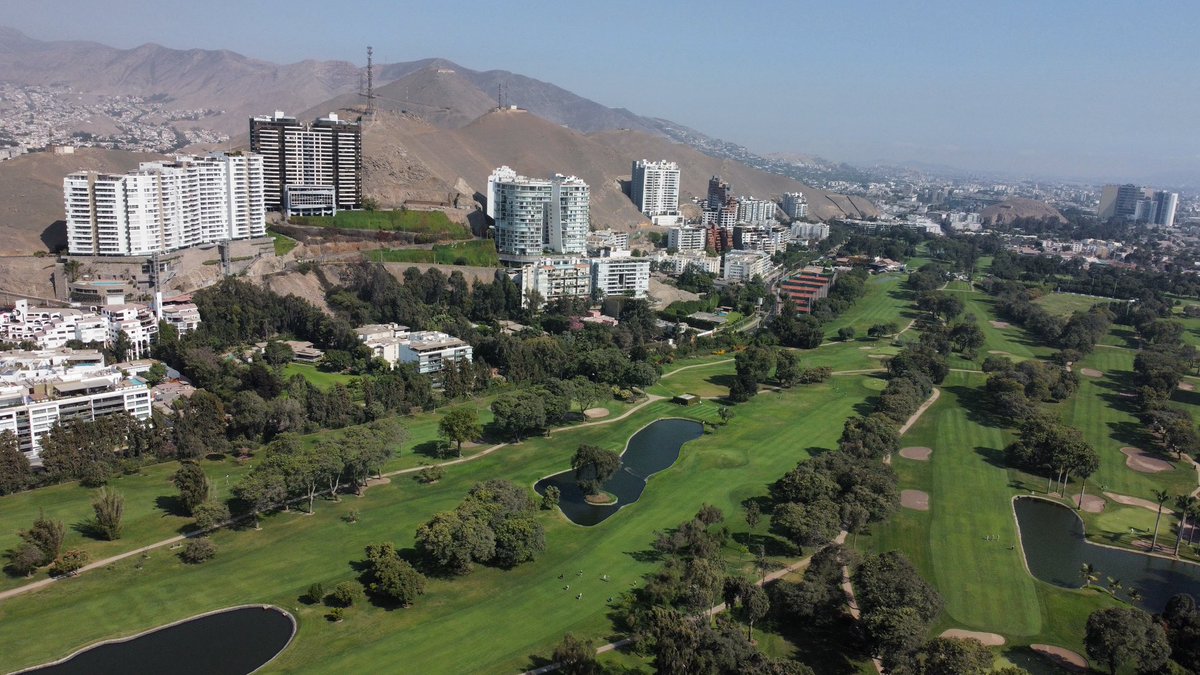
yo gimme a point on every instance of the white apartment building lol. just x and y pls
(41, 389)
(534, 215)
(429, 350)
(309, 168)
(679, 262)
(554, 278)
(138, 322)
(795, 205)
(809, 231)
(51, 327)
(621, 275)
(686, 238)
(163, 206)
(599, 240)
(755, 211)
(654, 187)
(742, 266)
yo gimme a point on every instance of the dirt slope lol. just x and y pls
(1011, 209)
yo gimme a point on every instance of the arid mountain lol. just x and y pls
(1011, 209)
(31, 195)
(408, 158)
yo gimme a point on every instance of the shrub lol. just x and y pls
(69, 563)
(210, 514)
(315, 593)
(431, 474)
(343, 595)
(198, 550)
(336, 614)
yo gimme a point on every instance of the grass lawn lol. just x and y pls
(423, 222)
(477, 252)
(886, 301)
(315, 376)
(283, 244)
(276, 564)
(1066, 304)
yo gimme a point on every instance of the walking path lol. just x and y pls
(933, 397)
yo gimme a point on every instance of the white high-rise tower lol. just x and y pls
(654, 187)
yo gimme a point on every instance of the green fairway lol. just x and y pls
(276, 564)
(283, 244)
(984, 583)
(886, 301)
(315, 376)
(422, 222)
(1066, 304)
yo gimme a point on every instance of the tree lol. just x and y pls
(156, 374)
(459, 425)
(588, 393)
(518, 540)
(343, 595)
(121, 347)
(200, 425)
(1160, 496)
(109, 506)
(1183, 506)
(25, 558)
(593, 467)
(278, 354)
(14, 465)
(748, 602)
(452, 543)
(951, 656)
(846, 334)
(198, 550)
(210, 514)
(519, 413)
(390, 577)
(575, 656)
(550, 497)
(1119, 636)
(315, 593)
(787, 368)
(47, 535)
(69, 562)
(806, 525)
(192, 484)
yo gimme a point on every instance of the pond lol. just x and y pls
(649, 451)
(1055, 550)
(232, 642)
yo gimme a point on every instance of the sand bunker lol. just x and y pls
(596, 413)
(997, 352)
(879, 356)
(1063, 658)
(916, 453)
(1136, 501)
(1138, 460)
(1000, 324)
(1090, 372)
(1187, 386)
(988, 639)
(915, 500)
(1091, 503)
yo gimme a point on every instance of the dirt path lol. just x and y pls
(933, 397)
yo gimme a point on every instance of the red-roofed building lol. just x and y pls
(804, 289)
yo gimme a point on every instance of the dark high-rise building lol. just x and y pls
(309, 168)
(718, 192)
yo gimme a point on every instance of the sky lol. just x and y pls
(1092, 90)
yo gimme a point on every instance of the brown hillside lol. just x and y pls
(407, 155)
(31, 194)
(1011, 209)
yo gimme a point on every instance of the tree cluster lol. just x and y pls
(898, 607)
(1014, 390)
(831, 492)
(1047, 446)
(496, 524)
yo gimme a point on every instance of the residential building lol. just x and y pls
(164, 206)
(309, 168)
(607, 240)
(139, 324)
(1145, 205)
(183, 315)
(795, 205)
(756, 211)
(551, 278)
(719, 193)
(533, 216)
(430, 350)
(654, 187)
(51, 327)
(41, 389)
(809, 231)
(677, 263)
(718, 239)
(621, 275)
(742, 266)
(686, 238)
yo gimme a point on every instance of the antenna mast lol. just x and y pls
(370, 82)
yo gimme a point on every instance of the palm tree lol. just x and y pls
(1135, 596)
(1184, 505)
(1088, 572)
(1160, 496)
(1114, 585)
(1194, 514)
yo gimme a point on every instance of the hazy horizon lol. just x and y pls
(1074, 90)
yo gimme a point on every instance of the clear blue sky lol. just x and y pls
(1094, 89)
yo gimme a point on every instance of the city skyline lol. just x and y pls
(1022, 89)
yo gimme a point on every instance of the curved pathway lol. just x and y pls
(933, 397)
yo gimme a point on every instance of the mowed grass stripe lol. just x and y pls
(983, 582)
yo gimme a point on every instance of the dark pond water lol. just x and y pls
(1052, 537)
(651, 450)
(234, 642)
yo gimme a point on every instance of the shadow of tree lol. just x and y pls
(171, 505)
(979, 409)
